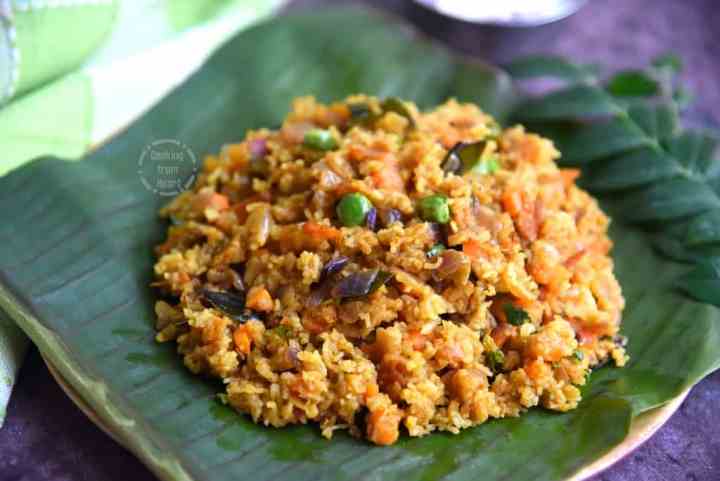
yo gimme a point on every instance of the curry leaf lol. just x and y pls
(228, 302)
(602, 139)
(695, 151)
(463, 156)
(659, 121)
(394, 104)
(578, 101)
(633, 83)
(550, 66)
(634, 169)
(670, 199)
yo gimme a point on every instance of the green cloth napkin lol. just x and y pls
(51, 111)
(45, 39)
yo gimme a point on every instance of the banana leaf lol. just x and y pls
(76, 261)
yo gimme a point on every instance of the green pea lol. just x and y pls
(319, 139)
(435, 208)
(352, 209)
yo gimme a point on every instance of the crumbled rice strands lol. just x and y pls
(421, 352)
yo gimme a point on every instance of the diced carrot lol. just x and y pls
(417, 340)
(337, 114)
(473, 248)
(587, 334)
(590, 334)
(527, 212)
(575, 258)
(536, 369)
(556, 278)
(512, 202)
(207, 198)
(218, 202)
(320, 232)
(242, 340)
(371, 391)
(555, 355)
(357, 152)
(601, 246)
(389, 178)
(569, 176)
(259, 299)
(383, 427)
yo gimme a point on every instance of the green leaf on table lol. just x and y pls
(634, 169)
(703, 281)
(668, 200)
(583, 101)
(633, 83)
(538, 66)
(695, 151)
(659, 120)
(602, 139)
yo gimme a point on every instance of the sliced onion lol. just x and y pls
(371, 219)
(389, 216)
(258, 148)
(360, 284)
(455, 266)
(332, 267)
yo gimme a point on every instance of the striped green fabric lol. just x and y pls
(46, 39)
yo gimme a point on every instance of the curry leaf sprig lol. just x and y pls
(625, 132)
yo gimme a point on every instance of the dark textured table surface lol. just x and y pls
(46, 437)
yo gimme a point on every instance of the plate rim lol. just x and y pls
(643, 427)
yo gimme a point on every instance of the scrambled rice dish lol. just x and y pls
(374, 268)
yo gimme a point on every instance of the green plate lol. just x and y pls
(76, 260)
